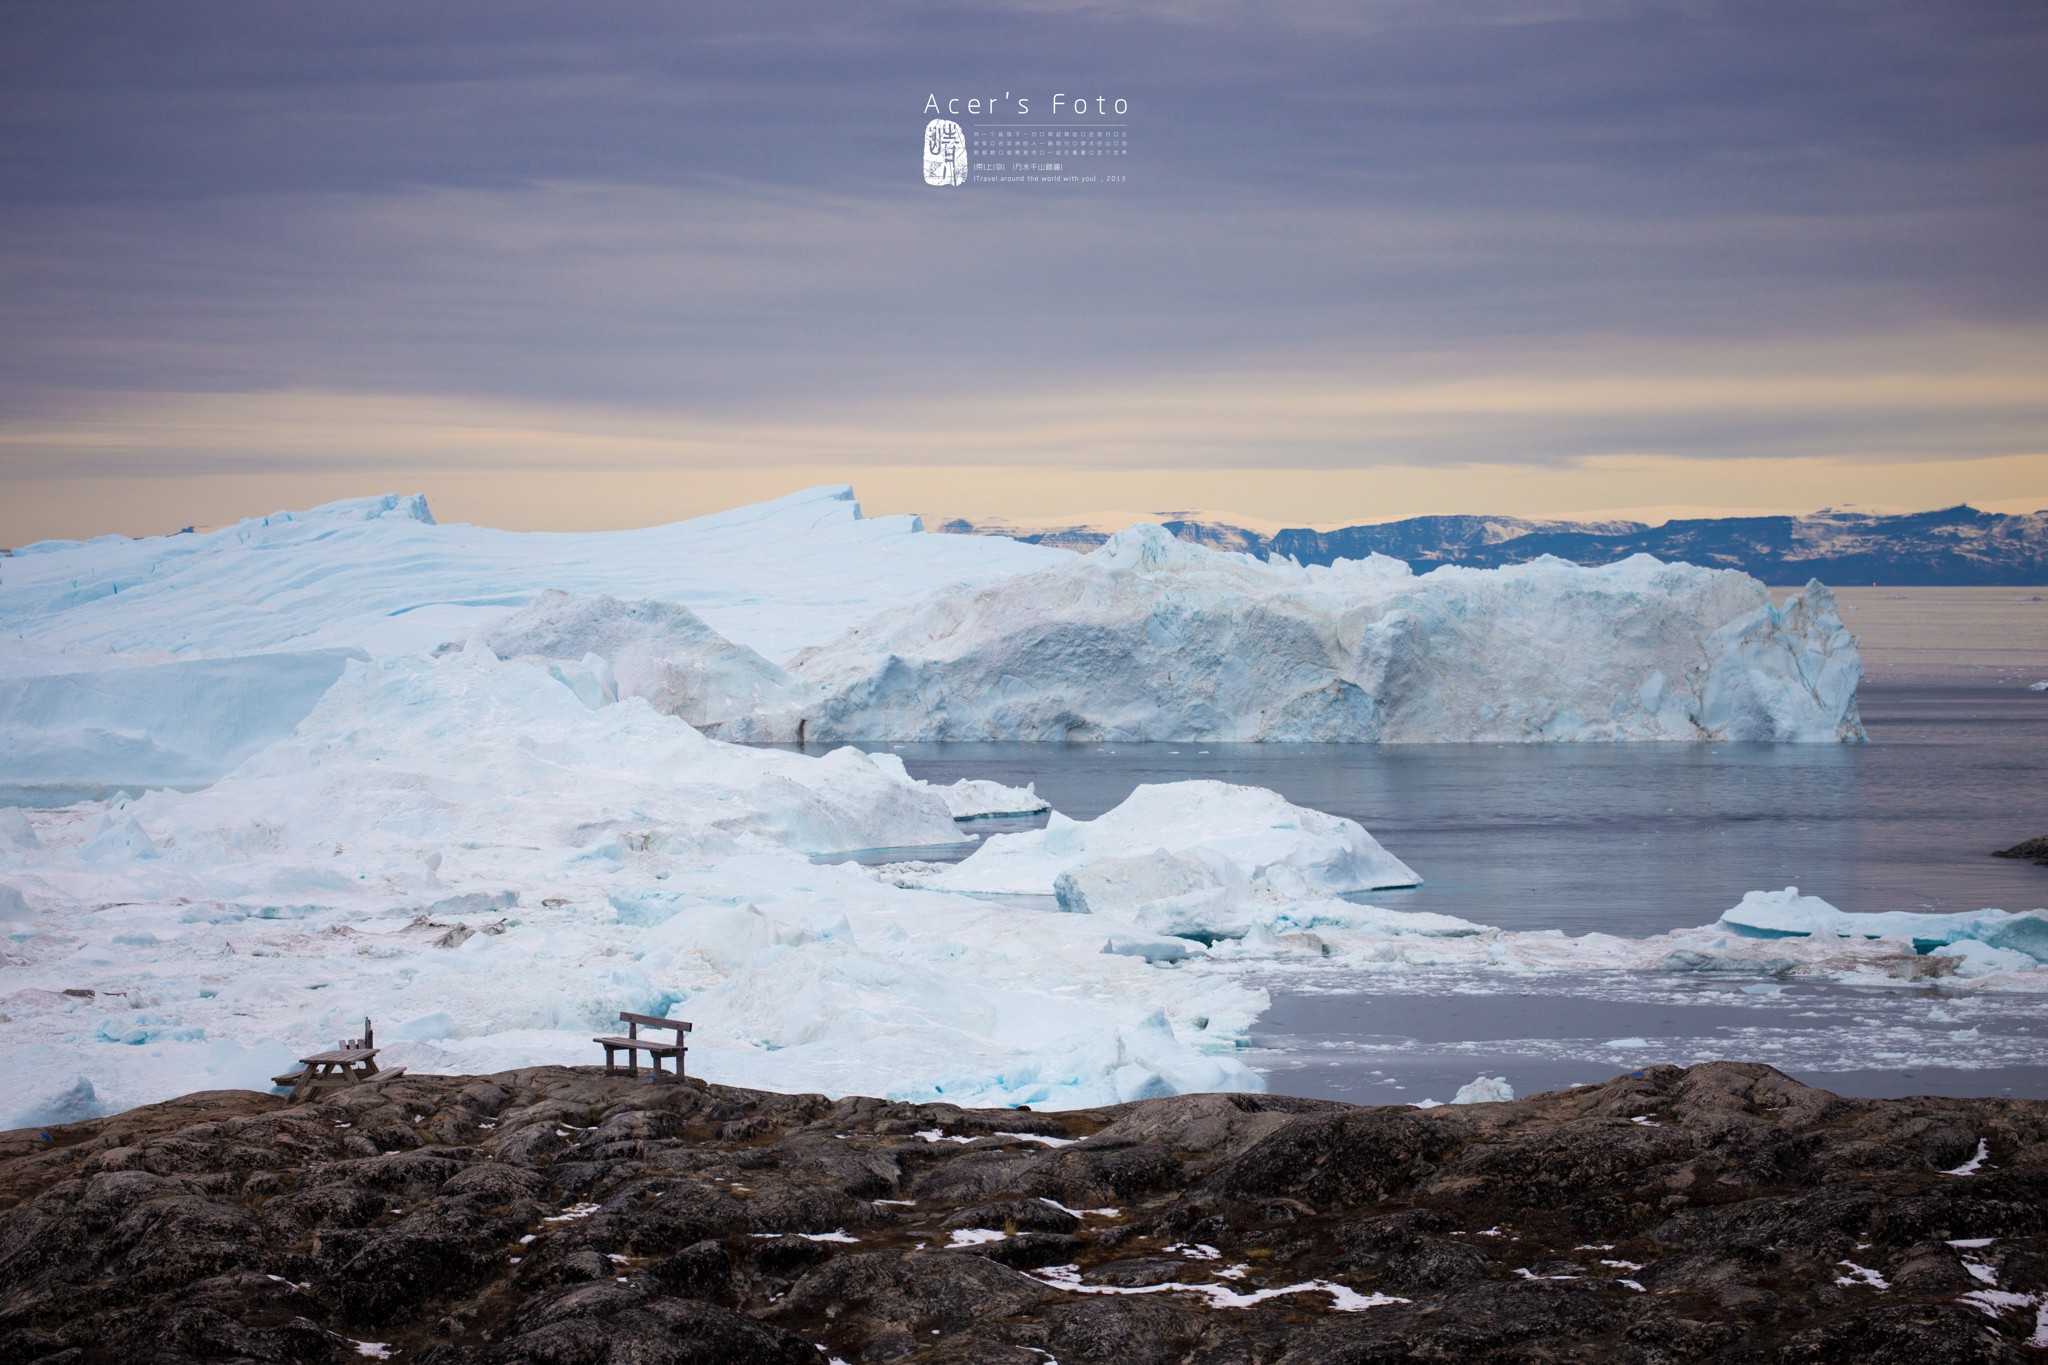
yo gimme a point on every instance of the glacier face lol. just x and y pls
(1230, 648)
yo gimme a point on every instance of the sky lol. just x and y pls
(582, 266)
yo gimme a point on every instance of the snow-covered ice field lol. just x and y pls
(386, 777)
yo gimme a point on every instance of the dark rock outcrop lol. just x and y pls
(2036, 849)
(1724, 1212)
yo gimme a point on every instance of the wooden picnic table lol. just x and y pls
(352, 1063)
(633, 1043)
(350, 1067)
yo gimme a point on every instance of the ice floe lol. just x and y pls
(1977, 942)
(1854, 947)
(1177, 839)
(1481, 1090)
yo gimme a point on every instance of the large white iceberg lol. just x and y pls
(739, 622)
(659, 651)
(1150, 637)
(159, 724)
(379, 574)
(1169, 839)
(467, 752)
(165, 661)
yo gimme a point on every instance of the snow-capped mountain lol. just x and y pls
(1953, 546)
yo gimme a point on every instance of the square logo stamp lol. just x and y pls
(945, 153)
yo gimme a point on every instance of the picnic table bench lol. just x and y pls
(633, 1043)
(352, 1062)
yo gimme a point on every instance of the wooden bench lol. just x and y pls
(352, 1062)
(633, 1043)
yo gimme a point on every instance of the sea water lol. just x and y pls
(1635, 839)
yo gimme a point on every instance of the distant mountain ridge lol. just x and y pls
(1954, 546)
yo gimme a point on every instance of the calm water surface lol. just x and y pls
(1636, 839)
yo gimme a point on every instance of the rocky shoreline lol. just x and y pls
(1721, 1212)
(2034, 849)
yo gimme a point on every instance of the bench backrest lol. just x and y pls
(654, 1021)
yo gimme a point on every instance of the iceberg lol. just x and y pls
(970, 798)
(15, 829)
(1481, 1090)
(959, 637)
(467, 752)
(1169, 839)
(661, 652)
(1485, 1090)
(128, 664)
(1787, 914)
(55, 1100)
(182, 723)
(379, 574)
(1232, 648)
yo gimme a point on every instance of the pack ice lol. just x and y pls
(468, 850)
(1769, 934)
(1231, 648)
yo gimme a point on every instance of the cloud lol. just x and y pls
(331, 238)
(1924, 398)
